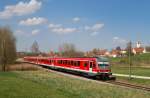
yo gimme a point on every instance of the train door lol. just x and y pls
(90, 67)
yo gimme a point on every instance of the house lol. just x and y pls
(103, 52)
(138, 49)
(115, 53)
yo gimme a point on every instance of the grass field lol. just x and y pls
(41, 84)
(140, 66)
(135, 70)
(137, 60)
(141, 82)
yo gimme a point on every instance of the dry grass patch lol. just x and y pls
(23, 67)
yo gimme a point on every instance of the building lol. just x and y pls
(138, 49)
(115, 53)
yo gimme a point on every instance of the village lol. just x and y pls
(138, 48)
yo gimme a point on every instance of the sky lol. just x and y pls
(87, 24)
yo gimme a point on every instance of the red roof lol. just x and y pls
(139, 50)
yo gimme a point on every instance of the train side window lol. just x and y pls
(85, 64)
(71, 62)
(74, 63)
(68, 62)
(91, 64)
(64, 62)
(78, 63)
(94, 65)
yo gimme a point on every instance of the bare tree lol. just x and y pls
(147, 48)
(69, 50)
(118, 48)
(7, 47)
(35, 48)
(95, 51)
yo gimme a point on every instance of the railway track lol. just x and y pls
(129, 85)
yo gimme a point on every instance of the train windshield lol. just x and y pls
(103, 63)
(102, 59)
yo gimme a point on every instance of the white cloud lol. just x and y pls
(62, 30)
(54, 25)
(76, 19)
(59, 29)
(95, 27)
(115, 38)
(33, 21)
(119, 40)
(94, 33)
(21, 8)
(19, 32)
(35, 32)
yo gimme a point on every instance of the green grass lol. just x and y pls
(41, 84)
(135, 70)
(140, 66)
(135, 81)
(137, 60)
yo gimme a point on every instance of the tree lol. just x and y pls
(95, 51)
(118, 48)
(69, 50)
(7, 47)
(35, 48)
(147, 48)
(129, 49)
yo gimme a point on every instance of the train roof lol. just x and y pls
(100, 59)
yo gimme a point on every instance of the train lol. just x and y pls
(96, 67)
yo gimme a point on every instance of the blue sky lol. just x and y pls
(88, 24)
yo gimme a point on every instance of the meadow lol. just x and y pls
(42, 84)
(140, 66)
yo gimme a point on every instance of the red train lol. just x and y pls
(98, 67)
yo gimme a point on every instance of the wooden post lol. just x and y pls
(130, 51)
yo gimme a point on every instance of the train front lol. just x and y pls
(104, 68)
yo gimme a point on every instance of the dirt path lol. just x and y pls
(133, 76)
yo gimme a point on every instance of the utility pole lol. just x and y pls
(130, 51)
